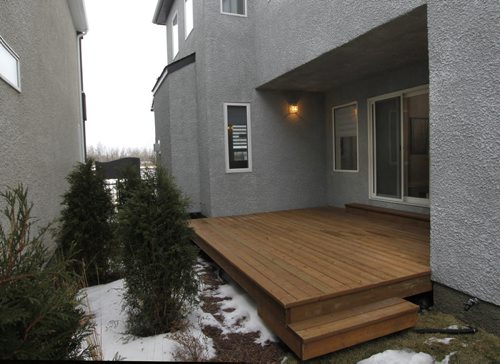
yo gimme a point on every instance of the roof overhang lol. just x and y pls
(396, 44)
(78, 14)
(161, 11)
(171, 68)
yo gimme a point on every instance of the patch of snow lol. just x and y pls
(106, 301)
(404, 357)
(243, 316)
(446, 360)
(453, 327)
(399, 357)
(435, 340)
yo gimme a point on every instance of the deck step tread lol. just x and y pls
(351, 319)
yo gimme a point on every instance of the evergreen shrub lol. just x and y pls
(87, 222)
(40, 316)
(158, 255)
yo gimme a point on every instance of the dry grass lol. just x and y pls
(481, 347)
(191, 347)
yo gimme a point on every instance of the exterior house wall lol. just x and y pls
(182, 134)
(347, 187)
(281, 148)
(465, 146)
(292, 157)
(40, 137)
(162, 124)
(225, 60)
(287, 31)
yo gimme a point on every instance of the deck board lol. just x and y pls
(313, 252)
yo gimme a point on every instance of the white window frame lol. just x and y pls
(249, 138)
(405, 200)
(234, 14)
(14, 55)
(188, 15)
(175, 40)
(335, 169)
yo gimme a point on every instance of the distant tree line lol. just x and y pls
(102, 153)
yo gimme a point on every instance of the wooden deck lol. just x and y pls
(323, 278)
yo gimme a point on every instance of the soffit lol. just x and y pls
(401, 42)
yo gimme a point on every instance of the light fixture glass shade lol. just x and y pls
(293, 109)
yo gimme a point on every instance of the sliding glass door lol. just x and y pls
(400, 147)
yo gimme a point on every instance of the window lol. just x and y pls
(345, 138)
(175, 36)
(9, 66)
(188, 17)
(237, 137)
(399, 136)
(234, 7)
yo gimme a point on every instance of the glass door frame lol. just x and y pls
(407, 200)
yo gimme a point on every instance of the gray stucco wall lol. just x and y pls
(464, 63)
(347, 187)
(288, 170)
(162, 124)
(200, 195)
(186, 45)
(39, 127)
(293, 32)
(288, 156)
(180, 141)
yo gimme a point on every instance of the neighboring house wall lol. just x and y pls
(464, 63)
(40, 136)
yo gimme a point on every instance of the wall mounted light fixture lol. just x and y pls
(292, 103)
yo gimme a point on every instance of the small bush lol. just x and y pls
(39, 314)
(87, 223)
(158, 255)
(191, 347)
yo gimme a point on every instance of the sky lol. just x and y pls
(123, 54)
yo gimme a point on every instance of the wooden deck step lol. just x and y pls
(325, 334)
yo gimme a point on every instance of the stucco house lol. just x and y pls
(279, 105)
(41, 98)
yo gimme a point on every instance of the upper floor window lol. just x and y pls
(345, 138)
(237, 137)
(234, 7)
(188, 17)
(9, 66)
(175, 36)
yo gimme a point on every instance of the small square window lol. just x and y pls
(9, 66)
(234, 7)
